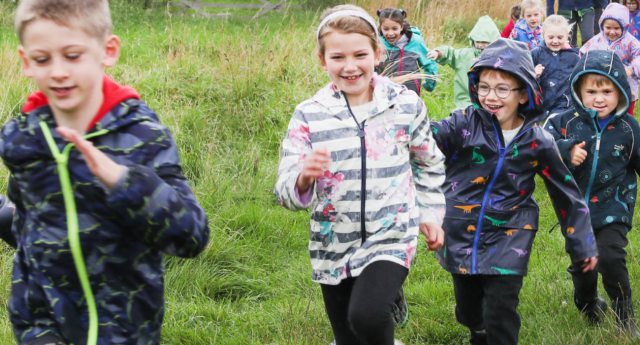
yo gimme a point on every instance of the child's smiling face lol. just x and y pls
(391, 30)
(481, 45)
(555, 37)
(350, 61)
(533, 16)
(632, 5)
(612, 29)
(602, 98)
(505, 108)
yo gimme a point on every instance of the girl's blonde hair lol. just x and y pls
(356, 25)
(531, 4)
(557, 21)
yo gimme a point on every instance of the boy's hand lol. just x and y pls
(539, 70)
(105, 169)
(434, 234)
(578, 154)
(629, 71)
(434, 54)
(589, 264)
(314, 166)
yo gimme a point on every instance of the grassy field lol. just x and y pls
(227, 89)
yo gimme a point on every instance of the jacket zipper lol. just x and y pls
(363, 173)
(595, 162)
(73, 231)
(476, 237)
(400, 62)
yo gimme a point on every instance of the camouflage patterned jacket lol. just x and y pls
(123, 232)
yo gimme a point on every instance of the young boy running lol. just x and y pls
(94, 215)
(598, 142)
(460, 60)
(493, 151)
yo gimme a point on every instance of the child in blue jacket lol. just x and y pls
(405, 50)
(494, 149)
(554, 61)
(598, 141)
(97, 185)
(529, 28)
(634, 22)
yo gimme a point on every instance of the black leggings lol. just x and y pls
(360, 309)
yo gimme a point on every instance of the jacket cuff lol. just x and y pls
(432, 214)
(136, 184)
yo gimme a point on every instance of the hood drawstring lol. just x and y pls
(73, 231)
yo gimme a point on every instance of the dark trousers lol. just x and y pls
(489, 302)
(361, 309)
(596, 20)
(612, 265)
(586, 27)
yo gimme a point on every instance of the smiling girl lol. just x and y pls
(554, 61)
(406, 52)
(614, 35)
(529, 28)
(361, 154)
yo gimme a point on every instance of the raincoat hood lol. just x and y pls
(513, 57)
(485, 30)
(619, 13)
(606, 63)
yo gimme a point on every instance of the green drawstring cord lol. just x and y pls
(72, 226)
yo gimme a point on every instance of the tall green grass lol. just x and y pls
(227, 89)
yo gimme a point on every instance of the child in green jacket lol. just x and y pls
(460, 60)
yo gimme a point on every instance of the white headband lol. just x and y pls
(348, 13)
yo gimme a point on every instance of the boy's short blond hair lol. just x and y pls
(92, 16)
(531, 4)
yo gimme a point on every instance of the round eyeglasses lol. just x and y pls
(502, 90)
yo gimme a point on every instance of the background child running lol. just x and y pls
(634, 23)
(600, 148)
(360, 153)
(529, 28)
(460, 60)
(405, 52)
(614, 35)
(554, 61)
(493, 151)
(514, 14)
(113, 196)
(580, 12)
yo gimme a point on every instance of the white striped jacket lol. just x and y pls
(404, 174)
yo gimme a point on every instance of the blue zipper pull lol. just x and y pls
(361, 133)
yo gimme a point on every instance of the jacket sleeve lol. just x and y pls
(634, 160)
(157, 204)
(568, 203)
(295, 147)
(555, 127)
(635, 56)
(535, 56)
(448, 130)
(429, 67)
(449, 56)
(507, 29)
(427, 163)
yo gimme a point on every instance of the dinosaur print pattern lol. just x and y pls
(467, 209)
(496, 222)
(477, 158)
(480, 180)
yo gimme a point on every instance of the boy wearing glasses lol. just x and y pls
(493, 151)
(598, 141)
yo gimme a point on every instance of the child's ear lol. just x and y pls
(26, 68)
(323, 62)
(524, 97)
(111, 50)
(377, 56)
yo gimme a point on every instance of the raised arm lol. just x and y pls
(556, 128)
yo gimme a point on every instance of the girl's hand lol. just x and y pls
(314, 166)
(589, 264)
(578, 154)
(434, 55)
(434, 234)
(629, 71)
(539, 70)
(105, 169)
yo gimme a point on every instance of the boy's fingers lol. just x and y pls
(581, 145)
